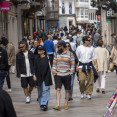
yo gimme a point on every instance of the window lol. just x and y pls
(82, 12)
(89, 16)
(84, 0)
(86, 13)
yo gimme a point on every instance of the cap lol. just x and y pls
(40, 47)
(62, 43)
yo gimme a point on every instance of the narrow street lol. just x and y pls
(77, 108)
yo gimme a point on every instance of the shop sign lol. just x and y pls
(110, 12)
(4, 5)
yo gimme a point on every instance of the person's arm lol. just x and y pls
(35, 68)
(54, 68)
(72, 63)
(17, 67)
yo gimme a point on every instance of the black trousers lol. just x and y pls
(51, 57)
(8, 79)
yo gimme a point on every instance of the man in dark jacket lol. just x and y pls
(3, 65)
(25, 69)
(6, 106)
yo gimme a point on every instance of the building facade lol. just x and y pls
(67, 15)
(85, 13)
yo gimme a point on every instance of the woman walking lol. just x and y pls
(102, 60)
(114, 56)
(43, 77)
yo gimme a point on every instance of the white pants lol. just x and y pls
(100, 83)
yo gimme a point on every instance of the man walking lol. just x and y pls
(63, 68)
(25, 69)
(3, 65)
(49, 45)
(86, 55)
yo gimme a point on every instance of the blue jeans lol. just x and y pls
(2, 77)
(72, 83)
(43, 94)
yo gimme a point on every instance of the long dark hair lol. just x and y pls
(70, 49)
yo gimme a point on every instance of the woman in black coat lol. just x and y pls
(42, 77)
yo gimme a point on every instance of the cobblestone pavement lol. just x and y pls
(77, 108)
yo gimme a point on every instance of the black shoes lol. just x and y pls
(44, 108)
(70, 99)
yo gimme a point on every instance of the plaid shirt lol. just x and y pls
(64, 64)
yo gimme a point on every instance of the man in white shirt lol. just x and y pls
(25, 69)
(86, 55)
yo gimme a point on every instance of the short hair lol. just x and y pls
(85, 38)
(24, 42)
(71, 39)
(100, 42)
(113, 34)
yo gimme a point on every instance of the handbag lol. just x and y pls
(111, 66)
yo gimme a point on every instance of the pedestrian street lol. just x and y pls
(95, 107)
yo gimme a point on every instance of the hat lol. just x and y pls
(62, 43)
(40, 47)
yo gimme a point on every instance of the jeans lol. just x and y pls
(43, 94)
(2, 77)
(72, 83)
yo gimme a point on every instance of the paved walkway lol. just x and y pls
(77, 108)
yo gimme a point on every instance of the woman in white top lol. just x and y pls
(102, 60)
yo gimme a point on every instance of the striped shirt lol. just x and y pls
(64, 64)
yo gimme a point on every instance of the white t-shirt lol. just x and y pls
(86, 54)
(73, 46)
(27, 66)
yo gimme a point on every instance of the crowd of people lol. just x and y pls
(58, 56)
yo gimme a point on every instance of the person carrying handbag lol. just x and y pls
(113, 57)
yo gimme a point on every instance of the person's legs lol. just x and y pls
(8, 79)
(51, 57)
(115, 69)
(103, 80)
(2, 77)
(67, 84)
(58, 96)
(98, 85)
(39, 88)
(24, 84)
(45, 94)
(90, 80)
(26, 91)
(82, 78)
(58, 85)
(71, 91)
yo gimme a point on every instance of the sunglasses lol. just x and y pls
(67, 46)
(22, 47)
(88, 40)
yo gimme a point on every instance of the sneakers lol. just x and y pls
(9, 90)
(66, 107)
(70, 99)
(27, 99)
(57, 108)
(82, 96)
(89, 97)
